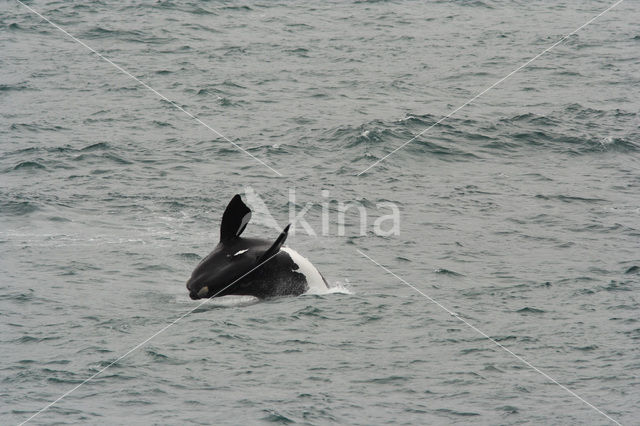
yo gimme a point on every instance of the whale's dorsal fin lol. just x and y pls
(234, 219)
(275, 247)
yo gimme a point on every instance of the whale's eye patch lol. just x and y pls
(238, 253)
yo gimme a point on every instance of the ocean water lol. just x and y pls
(520, 212)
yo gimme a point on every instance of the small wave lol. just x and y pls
(153, 268)
(530, 310)
(457, 413)
(300, 51)
(229, 83)
(99, 146)
(373, 140)
(274, 417)
(159, 357)
(159, 123)
(448, 272)
(191, 257)
(98, 32)
(617, 286)
(159, 6)
(492, 368)
(573, 129)
(33, 339)
(20, 297)
(17, 208)
(309, 311)
(531, 118)
(571, 199)
(29, 165)
(241, 8)
(99, 158)
(509, 409)
(585, 348)
(392, 380)
(610, 143)
(633, 270)
(135, 36)
(11, 87)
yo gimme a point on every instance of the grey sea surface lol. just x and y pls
(520, 213)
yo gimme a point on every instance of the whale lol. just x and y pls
(251, 266)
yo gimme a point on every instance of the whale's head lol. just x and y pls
(219, 270)
(223, 271)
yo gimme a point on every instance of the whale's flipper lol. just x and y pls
(275, 247)
(234, 219)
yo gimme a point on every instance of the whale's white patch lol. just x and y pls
(240, 252)
(314, 279)
(243, 223)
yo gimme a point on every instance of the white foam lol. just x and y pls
(337, 288)
(232, 301)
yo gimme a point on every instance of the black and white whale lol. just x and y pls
(251, 266)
